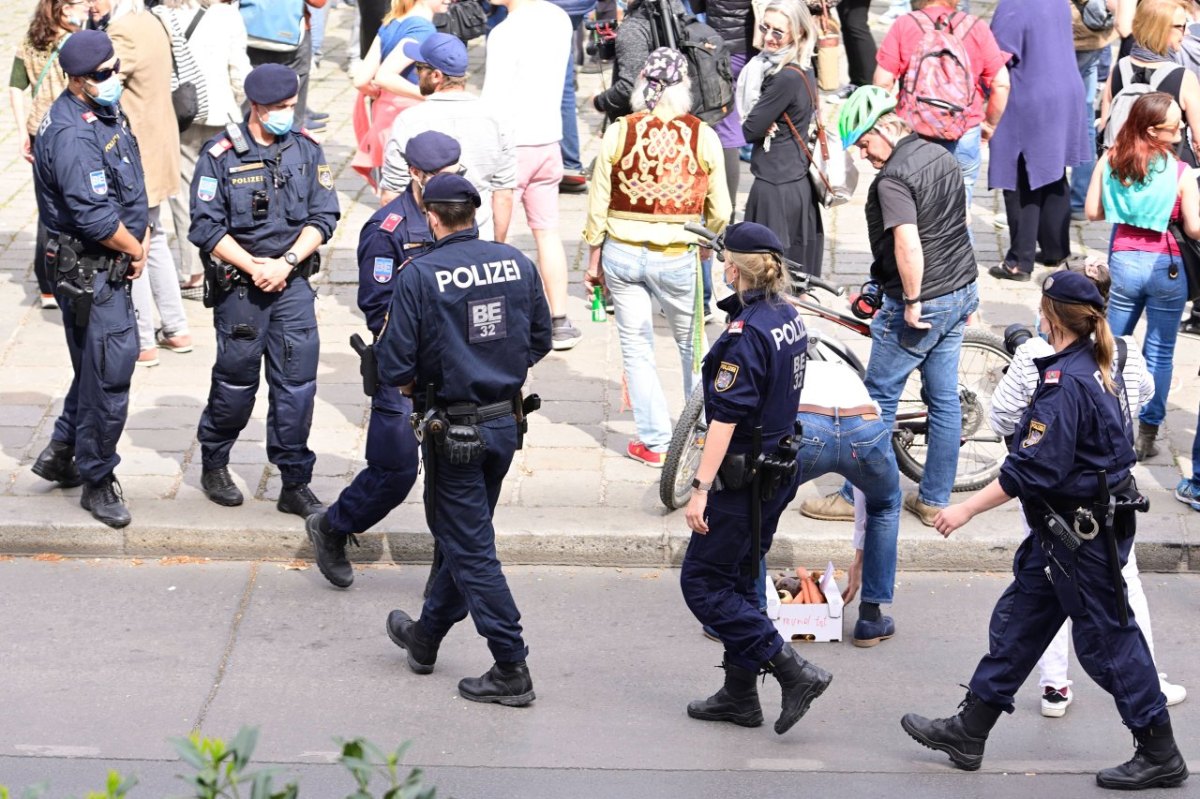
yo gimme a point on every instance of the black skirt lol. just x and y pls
(790, 210)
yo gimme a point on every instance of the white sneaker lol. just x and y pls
(1055, 701)
(1174, 693)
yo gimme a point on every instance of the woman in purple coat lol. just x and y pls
(1041, 133)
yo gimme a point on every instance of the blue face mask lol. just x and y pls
(279, 122)
(108, 92)
(731, 285)
(1037, 325)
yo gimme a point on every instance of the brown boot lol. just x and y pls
(1144, 447)
(832, 508)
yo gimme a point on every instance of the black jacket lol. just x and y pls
(734, 20)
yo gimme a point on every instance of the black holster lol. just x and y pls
(73, 274)
(368, 364)
(521, 409)
(219, 278)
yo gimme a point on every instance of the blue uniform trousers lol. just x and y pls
(459, 504)
(283, 325)
(103, 356)
(716, 586)
(1031, 610)
(391, 466)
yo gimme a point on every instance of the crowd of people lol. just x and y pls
(202, 105)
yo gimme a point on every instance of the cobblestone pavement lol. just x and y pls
(571, 495)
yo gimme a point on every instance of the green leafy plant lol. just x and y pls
(117, 787)
(365, 761)
(221, 769)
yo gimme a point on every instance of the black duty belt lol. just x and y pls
(470, 413)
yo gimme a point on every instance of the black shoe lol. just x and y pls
(962, 736)
(218, 486)
(56, 463)
(508, 684)
(317, 115)
(330, 549)
(105, 502)
(736, 701)
(1040, 258)
(299, 499)
(1190, 327)
(410, 636)
(1002, 272)
(1156, 763)
(801, 681)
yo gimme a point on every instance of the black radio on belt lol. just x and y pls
(260, 204)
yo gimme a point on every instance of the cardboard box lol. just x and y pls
(809, 622)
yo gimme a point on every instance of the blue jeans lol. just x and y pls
(317, 18)
(861, 451)
(896, 350)
(570, 123)
(969, 156)
(1142, 281)
(636, 276)
(1081, 176)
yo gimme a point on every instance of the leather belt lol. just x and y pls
(476, 414)
(864, 411)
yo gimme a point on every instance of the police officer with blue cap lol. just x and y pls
(262, 203)
(393, 235)
(468, 319)
(747, 475)
(91, 194)
(1070, 464)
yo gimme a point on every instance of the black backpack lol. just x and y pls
(707, 58)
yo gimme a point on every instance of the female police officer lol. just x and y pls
(752, 378)
(1071, 453)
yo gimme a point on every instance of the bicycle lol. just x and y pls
(981, 365)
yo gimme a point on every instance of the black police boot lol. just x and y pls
(504, 684)
(330, 548)
(56, 463)
(218, 486)
(736, 701)
(962, 736)
(410, 636)
(105, 502)
(1156, 763)
(299, 499)
(801, 681)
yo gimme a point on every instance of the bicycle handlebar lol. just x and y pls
(800, 278)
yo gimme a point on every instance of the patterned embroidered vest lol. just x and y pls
(658, 176)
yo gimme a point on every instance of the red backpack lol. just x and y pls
(939, 86)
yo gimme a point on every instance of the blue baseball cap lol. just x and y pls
(448, 188)
(431, 151)
(443, 52)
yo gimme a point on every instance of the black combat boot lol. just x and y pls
(56, 463)
(736, 701)
(299, 499)
(504, 684)
(1156, 763)
(962, 736)
(801, 681)
(218, 486)
(330, 548)
(105, 502)
(1144, 447)
(410, 636)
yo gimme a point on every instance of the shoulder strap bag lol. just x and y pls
(831, 168)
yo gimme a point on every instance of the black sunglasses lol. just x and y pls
(104, 74)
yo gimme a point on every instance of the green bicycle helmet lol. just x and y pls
(861, 111)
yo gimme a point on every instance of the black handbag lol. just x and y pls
(465, 19)
(1189, 253)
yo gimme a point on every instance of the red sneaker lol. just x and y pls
(640, 452)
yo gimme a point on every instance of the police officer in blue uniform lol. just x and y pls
(752, 378)
(1070, 464)
(468, 320)
(394, 234)
(262, 203)
(91, 194)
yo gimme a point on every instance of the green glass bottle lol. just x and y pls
(598, 312)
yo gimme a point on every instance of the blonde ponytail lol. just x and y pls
(1104, 347)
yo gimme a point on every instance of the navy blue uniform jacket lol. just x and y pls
(395, 233)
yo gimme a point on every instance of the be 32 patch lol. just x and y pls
(99, 182)
(206, 189)
(325, 176)
(1036, 431)
(383, 270)
(726, 376)
(487, 320)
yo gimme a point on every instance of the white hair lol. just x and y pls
(676, 100)
(802, 28)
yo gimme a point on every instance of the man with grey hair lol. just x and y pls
(658, 169)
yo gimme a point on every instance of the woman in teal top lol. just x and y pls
(1142, 188)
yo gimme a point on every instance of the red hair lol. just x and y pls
(1136, 148)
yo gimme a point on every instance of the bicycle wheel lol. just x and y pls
(683, 456)
(980, 367)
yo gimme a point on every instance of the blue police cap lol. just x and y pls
(751, 237)
(84, 52)
(431, 151)
(1073, 288)
(268, 84)
(448, 188)
(441, 51)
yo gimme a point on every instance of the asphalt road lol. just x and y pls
(102, 661)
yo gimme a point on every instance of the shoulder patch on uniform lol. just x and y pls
(389, 224)
(736, 327)
(206, 189)
(219, 147)
(99, 182)
(726, 375)
(1036, 431)
(1053, 376)
(89, 117)
(325, 176)
(308, 134)
(383, 270)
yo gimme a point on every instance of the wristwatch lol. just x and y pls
(291, 258)
(910, 300)
(702, 486)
